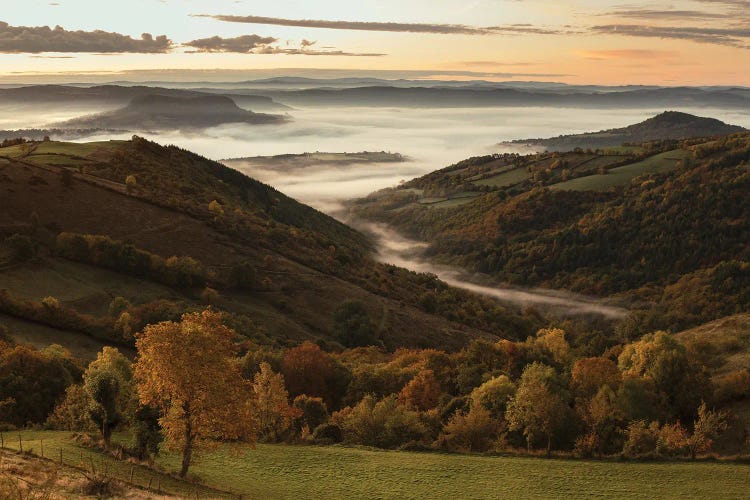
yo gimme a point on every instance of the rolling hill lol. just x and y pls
(662, 225)
(667, 125)
(76, 231)
(158, 112)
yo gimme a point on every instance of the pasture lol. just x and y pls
(621, 176)
(284, 471)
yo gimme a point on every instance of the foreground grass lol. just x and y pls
(281, 471)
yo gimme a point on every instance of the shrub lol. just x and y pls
(383, 424)
(641, 439)
(313, 411)
(328, 434)
(472, 431)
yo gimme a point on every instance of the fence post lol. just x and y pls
(132, 470)
(2, 440)
(41, 446)
(61, 457)
(20, 443)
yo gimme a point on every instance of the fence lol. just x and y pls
(92, 464)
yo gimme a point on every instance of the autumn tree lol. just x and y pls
(588, 375)
(309, 370)
(273, 413)
(422, 392)
(709, 425)
(537, 409)
(188, 371)
(474, 430)
(494, 395)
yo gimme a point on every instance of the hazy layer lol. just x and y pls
(432, 139)
(403, 252)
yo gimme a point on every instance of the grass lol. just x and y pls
(282, 471)
(52, 443)
(505, 179)
(41, 336)
(88, 289)
(620, 176)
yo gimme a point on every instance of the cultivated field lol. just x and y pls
(282, 471)
(620, 176)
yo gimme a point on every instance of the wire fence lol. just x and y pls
(96, 466)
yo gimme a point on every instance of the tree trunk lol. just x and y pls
(549, 445)
(106, 431)
(187, 450)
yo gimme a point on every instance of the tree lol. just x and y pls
(537, 409)
(312, 412)
(470, 431)
(352, 326)
(73, 413)
(187, 370)
(109, 382)
(494, 395)
(309, 370)
(272, 410)
(709, 425)
(422, 392)
(103, 387)
(384, 423)
(588, 375)
(215, 208)
(130, 183)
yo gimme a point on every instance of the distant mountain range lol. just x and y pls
(477, 97)
(276, 94)
(667, 125)
(158, 112)
(118, 95)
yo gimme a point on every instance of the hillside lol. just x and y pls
(662, 226)
(667, 125)
(278, 268)
(158, 112)
(118, 95)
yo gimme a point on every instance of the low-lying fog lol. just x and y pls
(404, 252)
(431, 138)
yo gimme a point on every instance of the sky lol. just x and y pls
(679, 42)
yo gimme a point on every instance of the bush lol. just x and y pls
(313, 411)
(383, 424)
(472, 431)
(328, 434)
(641, 439)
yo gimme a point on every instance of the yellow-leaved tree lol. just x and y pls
(188, 370)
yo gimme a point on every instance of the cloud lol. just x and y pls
(242, 44)
(667, 14)
(255, 44)
(437, 29)
(732, 37)
(34, 40)
(628, 54)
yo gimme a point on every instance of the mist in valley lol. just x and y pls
(430, 138)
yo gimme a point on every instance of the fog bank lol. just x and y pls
(398, 250)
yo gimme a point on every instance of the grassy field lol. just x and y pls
(506, 178)
(281, 471)
(620, 176)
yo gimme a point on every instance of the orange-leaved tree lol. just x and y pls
(188, 371)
